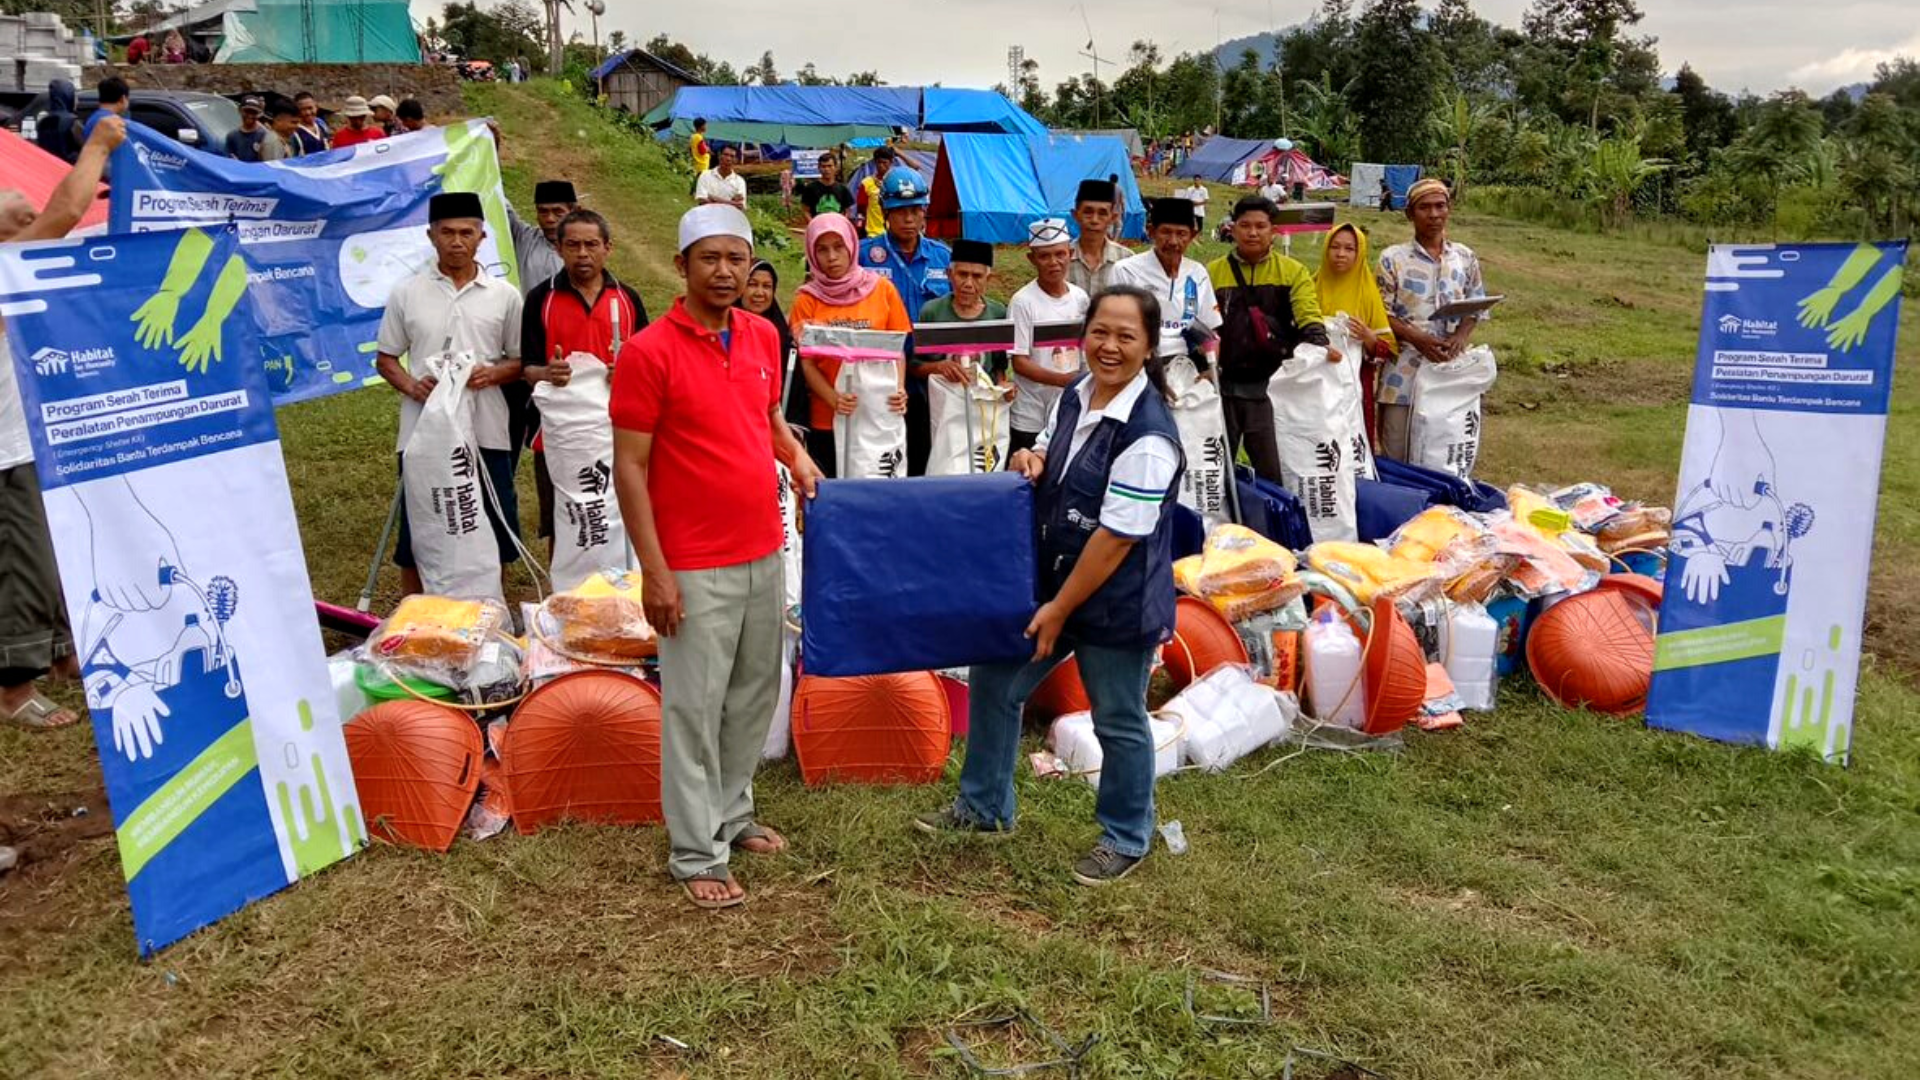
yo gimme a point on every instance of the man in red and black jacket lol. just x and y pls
(580, 310)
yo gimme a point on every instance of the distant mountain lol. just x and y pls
(1263, 45)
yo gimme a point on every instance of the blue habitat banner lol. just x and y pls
(1773, 525)
(181, 566)
(326, 236)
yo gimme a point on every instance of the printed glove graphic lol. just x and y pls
(154, 319)
(1816, 309)
(1847, 334)
(204, 339)
(137, 711)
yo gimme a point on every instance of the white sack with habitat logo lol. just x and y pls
(1445, 431)
(780, 732)
(871, 443)
(445, 484)
(971, 425)
(578, 437)
(1203, 437)
(790, 546)
(1321, 434)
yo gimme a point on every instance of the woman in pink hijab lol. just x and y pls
(841, 292)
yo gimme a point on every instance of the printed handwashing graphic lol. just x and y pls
(154, 645)
(1733, 524)
(154, 320)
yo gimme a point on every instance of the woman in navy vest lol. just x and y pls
(1105, 469)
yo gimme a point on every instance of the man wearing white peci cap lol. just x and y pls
(697, 429)
(1042, 371)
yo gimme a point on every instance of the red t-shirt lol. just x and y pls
(707, 406)
(344, 136)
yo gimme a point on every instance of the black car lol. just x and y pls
(201, 121)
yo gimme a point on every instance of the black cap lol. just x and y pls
(1171, 211)
(454, 204)
(554, 191)
(977, 252)
(1097, 191)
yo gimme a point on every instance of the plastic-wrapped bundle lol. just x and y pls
(603, 619)
(1228, 715)
(437, 637)
(1074, 744)
(1367, 571)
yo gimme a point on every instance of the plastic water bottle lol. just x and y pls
(1469, 642)
(1335, 686)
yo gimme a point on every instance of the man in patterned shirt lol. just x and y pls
(1417, 279)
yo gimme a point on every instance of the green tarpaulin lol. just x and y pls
(320, 32)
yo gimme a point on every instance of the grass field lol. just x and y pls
(1542, 894)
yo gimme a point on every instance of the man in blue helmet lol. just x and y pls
(917, 267)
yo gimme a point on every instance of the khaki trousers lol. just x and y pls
(719, 682)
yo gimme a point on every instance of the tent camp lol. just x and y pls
(299, 31)
(989, 187)
(1218, 157)
(1129, 136)
(1292, 166)
(919, 161)
(1366, 184)
(816, 116)
(36, 173)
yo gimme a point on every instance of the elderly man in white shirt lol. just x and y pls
(1180, 284)
(452, 307)
(722, 183)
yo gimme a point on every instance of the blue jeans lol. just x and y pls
(1116, 682)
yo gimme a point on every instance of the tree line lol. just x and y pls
(1571, 103)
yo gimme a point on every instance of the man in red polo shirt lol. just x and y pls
(697, 429)
(583, 310)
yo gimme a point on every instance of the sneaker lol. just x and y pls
(951, 820)
(1105, 866)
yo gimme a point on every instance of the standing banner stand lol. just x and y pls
(1759, 637)
(180, 560)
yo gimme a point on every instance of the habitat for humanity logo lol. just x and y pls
(158, 159)
(82, 363)
(1734, 325)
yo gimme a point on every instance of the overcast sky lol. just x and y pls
(1761, 45)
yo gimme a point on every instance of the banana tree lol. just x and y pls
(1616, 171)
(1458, 123)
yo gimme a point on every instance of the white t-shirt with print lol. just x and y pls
(1031, 307)
(1186, 298)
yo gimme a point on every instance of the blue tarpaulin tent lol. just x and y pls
(989, 187)
(1216, 159)
(816, 116)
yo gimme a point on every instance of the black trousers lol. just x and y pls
(1018, 440)
(1250, 426)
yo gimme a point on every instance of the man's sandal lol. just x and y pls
(720, 874)
(39, 714)
(756, 831)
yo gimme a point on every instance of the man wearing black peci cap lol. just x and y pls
(455, 304)
(537, 247)
(968, 302)
(1096, 209)
(1180, 284)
